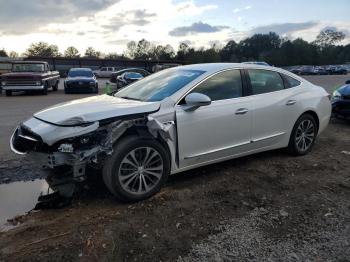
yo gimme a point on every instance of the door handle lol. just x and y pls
(241, 111)
(290, 102)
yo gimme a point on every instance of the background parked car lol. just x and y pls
(105, 71)
(341, 101)
(80, 80)
(159, 67)
(338, 70)
(307, 70)
(30, 76)
(128, 78)
(320, 70)
(115, 75)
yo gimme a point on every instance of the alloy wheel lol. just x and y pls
(305, 135)
(140, 170)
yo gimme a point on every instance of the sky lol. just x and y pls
(107, 25)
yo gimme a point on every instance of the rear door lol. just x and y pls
(218, 130)
(274, 107)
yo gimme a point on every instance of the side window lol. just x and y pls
(290, 81)
(221, 86)
(110, 69)
(264, 81)
(103, 69)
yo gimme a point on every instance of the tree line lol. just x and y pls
(271, 48)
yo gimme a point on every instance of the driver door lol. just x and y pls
(219, 130)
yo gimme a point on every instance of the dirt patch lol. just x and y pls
(261, 207)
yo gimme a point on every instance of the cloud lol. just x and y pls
(196, 28)
(21, 17)
(189, 8)
(119, 41)
(284, 28)
(237, 10)
(132, 17)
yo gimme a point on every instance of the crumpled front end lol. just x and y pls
(71, 150)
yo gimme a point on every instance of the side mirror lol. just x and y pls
(195, 100)
(347, 82)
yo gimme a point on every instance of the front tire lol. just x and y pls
(303, 135)
(55, 87)
(46, 87)
(137, 168)
(8, 92)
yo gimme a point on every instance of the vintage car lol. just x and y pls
(30, 76)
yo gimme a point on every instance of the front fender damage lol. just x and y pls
(76, 165)
(94, 156)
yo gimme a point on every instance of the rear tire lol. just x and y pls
(303, 135)
(8, 92)
(137, 169)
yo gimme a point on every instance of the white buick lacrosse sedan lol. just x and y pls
(175, 120)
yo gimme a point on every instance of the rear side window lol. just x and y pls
(221, 86)
(290, 81)
(264, 81)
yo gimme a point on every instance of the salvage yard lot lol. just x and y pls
(266, 206)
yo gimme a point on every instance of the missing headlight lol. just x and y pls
(66, 148)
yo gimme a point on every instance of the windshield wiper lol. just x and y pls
(130, 98)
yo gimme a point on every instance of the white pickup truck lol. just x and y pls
(105, 71)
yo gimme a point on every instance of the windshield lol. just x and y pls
(77, 73)
(28, 67)
(159, 85)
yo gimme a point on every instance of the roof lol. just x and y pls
(211, 68)
(221, 66)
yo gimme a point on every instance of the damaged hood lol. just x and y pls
(94, 108)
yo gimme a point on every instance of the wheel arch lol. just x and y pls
(143, 132)
(314, 115)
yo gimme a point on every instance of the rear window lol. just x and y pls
(264, 81)
(290, 81)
